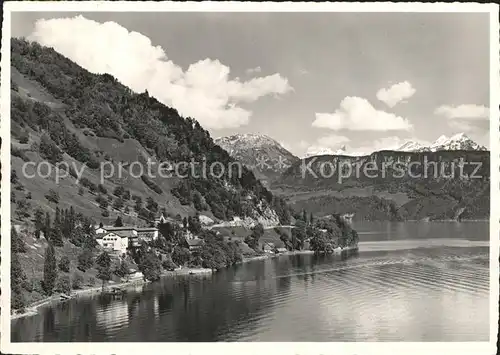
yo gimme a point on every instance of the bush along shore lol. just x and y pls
(90, 291)
(60, 259)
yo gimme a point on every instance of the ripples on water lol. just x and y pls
(397, 293)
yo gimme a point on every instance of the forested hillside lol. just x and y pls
(63, 113)
(391, 185)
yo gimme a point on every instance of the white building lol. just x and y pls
(113, 242)
(129, 235)
(147, 234)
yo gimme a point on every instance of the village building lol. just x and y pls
(147, 234)
(195, 243)
(130, 236)
(163, 219)
(269, 248)
(113, 242)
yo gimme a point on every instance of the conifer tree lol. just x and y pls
(17, 243)
(118, 222)
(49, 270)
(17, 278)
(39, 222)
(104, 267)
(47, 226)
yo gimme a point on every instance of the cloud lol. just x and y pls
(466, 118)
(357, 114)
(204, 91)
(463, 111)
(254, 70)
(332, 141)
(285, 145)
(302, 71)
(396, 93)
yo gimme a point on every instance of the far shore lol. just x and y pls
(448, 220)
(292, 252)
(90, 291)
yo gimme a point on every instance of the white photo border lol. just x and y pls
(257, 347)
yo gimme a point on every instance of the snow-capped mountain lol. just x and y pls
(264, 155)
(458, 141)
(314, 151)
(410, 146)
(238, 142)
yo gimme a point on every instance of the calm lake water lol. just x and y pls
(408, 282)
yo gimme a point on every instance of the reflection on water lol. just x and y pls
(409, 282)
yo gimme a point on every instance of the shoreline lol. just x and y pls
(33, 309)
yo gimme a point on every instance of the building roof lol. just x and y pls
(194, 242)
(148, 229)
(125, 233)
(125, 228)
(102, 235)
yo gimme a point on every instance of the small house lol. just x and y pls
(100, 230)
(195, 244)
(268, 248)
(162, 219)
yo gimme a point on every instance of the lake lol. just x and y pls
(411, 281)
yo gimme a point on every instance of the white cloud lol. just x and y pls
(302, 71)
(204, 91)
(462, 125)
(466, 118)
(254, 70)
(285, 145)
(332, 141)
(357, 114)
(396, 93)
(463, 111)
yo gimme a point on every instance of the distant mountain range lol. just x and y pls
(414, 186)
(263, 153)
(265, 156)
(372, 199)
(326, 151)
(458, 141)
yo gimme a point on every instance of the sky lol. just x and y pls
(366, 81)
